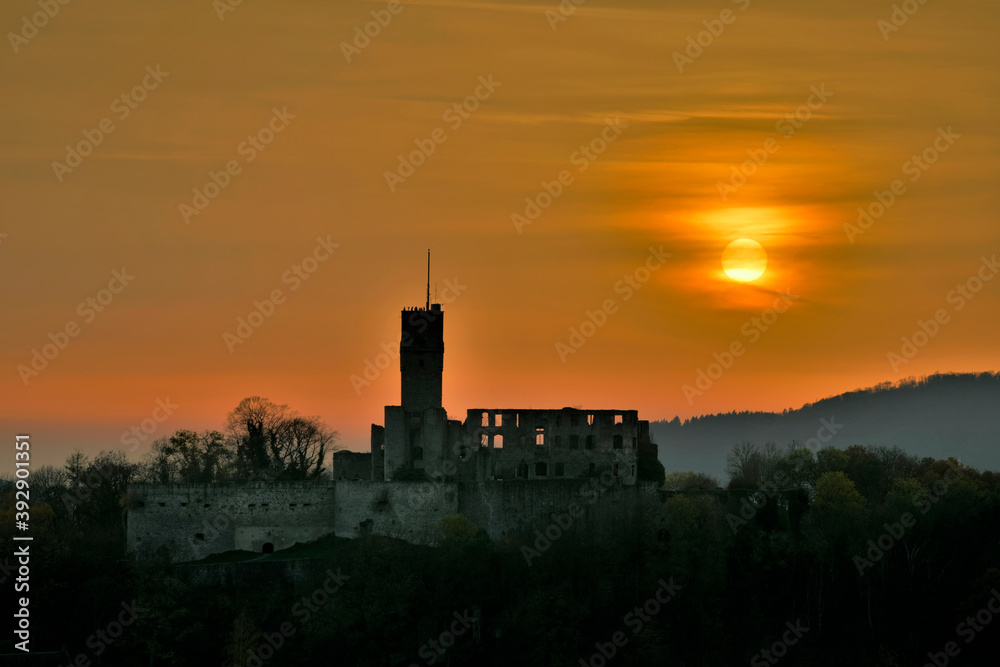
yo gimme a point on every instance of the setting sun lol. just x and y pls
(744, 260)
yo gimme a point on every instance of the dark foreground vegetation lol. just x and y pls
(863, 556)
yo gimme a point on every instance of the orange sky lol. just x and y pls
(64, 231)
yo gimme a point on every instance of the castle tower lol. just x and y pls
(421, 354)
(421, 358)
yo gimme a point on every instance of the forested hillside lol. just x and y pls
(945, 415)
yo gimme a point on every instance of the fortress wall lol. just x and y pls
(196, 520)
(555, 444)
(503, 507)
(408, 510)
(352, 465)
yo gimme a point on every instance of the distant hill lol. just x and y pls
(941, 415)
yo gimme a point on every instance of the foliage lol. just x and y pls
(263, 441)
(809, 544)
(689, 481)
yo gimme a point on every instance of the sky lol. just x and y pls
(576, 170)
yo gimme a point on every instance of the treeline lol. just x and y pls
(862, 556)
(982, 382)
(263, 441)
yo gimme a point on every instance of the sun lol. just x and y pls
(744, 260)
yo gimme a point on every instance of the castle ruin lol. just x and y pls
(502, 468)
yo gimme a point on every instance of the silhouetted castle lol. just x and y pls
(503, 469)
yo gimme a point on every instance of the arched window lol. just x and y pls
(268, 548)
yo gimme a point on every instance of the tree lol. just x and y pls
(750, 464)
(189, 457)
(839, 509)
(689, 481)
(306, 443)
(835, 492)
(830, 459)
(254, 425)
(96, 497)
(270, 441)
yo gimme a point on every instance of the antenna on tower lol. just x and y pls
(428, 279)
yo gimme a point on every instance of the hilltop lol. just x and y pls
(941, 415)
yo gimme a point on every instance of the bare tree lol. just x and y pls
(187, 456)
(751, 464)
(740, 460)
(254, 425)
(270, 441)
(307, 442)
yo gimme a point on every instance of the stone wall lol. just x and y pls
(195, 520)
(502, 508)
(555, 444)
(352, 465)
(411, 511)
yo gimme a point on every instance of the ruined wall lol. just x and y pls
(503, 508)
(396, 453)
(554, 444)
(352, 465)
(408, 510)
(195, 520)
(378, 453)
